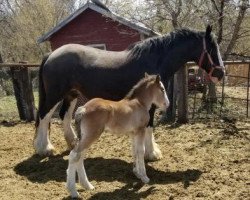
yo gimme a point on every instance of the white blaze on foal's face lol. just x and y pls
(161, 99)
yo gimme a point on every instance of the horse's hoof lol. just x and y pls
(145, 179)
(48, 152)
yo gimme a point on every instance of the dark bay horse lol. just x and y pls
(110, 75)
(129, 115)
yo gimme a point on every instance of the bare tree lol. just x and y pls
(23, 21)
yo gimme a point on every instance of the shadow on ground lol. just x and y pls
(54, 168)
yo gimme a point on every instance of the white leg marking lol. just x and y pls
(152, 151)
(82, 176)
(140, 164)
(71, 174)
(135, 158)
(42, 142)
(69, 133)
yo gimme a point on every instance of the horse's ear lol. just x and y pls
(208, 30)
(158, 78)
(146, 75)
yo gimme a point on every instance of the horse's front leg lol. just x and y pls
(139, 151)
(152, 151)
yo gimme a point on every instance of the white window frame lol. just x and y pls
(98, 46)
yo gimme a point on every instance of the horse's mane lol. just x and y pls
(161, 43)
(142, 83)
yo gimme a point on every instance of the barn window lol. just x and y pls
(98, 46)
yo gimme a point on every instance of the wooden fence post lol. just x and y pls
(171, 111)
(23, 92)
(182, 95)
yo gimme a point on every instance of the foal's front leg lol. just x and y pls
(139, 151)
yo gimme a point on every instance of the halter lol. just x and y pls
(213, 66)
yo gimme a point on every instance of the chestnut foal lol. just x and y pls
(129, 115)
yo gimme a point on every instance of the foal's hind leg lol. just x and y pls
(42, 143)
(69, 133)
(139, 151)
(152, 151)
(71, 173)
(92, 132)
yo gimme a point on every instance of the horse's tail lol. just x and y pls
(41, 89)
(78, 118)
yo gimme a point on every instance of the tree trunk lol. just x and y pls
(242, 11)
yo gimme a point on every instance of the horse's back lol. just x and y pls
(86, 56)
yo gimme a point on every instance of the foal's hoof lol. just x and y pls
(74, 195)
(87, 186)
(90, 187)
(153, 156)
(145, 180)
(72, 191)
(136, 173)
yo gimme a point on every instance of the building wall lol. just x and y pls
(92, 28)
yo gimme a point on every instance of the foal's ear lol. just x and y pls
(146, 75)
(158, 78)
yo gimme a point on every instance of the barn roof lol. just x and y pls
(102, 9)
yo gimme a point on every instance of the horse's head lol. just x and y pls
(210, 59)
(158, 92)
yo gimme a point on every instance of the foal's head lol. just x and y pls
(157, 91)
(150, 90)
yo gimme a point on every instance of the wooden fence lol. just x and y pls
(20, 74)
(22, 84)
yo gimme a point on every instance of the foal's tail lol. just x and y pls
(41, 89)
(78, 118)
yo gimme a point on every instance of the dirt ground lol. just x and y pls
(202, 160)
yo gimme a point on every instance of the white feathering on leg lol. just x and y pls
(152, 151)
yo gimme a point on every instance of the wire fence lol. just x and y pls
(232, 92)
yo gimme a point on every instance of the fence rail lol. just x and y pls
(23, 88)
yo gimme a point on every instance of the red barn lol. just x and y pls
(95, 25)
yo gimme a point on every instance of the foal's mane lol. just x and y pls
(162, 43)
(141, 84)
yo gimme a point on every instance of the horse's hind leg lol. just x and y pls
(42, 143)
(66, 113)
(152, 151)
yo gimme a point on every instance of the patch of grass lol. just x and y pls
(8, 107)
